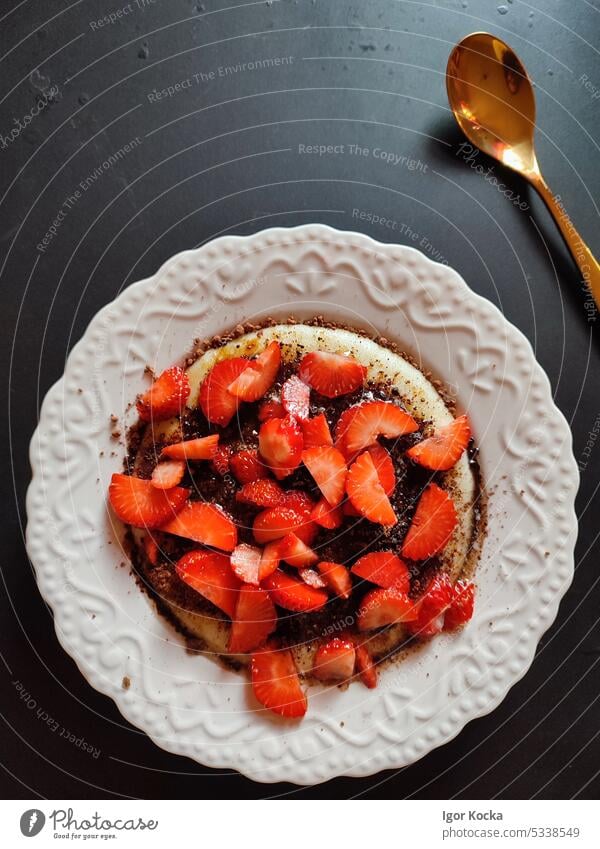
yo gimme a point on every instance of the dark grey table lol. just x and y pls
(131, 131)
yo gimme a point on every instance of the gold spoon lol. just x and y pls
(492, 99)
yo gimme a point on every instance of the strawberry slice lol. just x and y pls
(334, 660)
(295, 397)
(166, 397)
(261, 493)
(271, 410)
(245, 562)
(366, 492)
(269, 561)
(377, 418)
(275, 682)
(299, 501)
(151, 548)
(312, 578)
(205, 523)
(432, 525)
(278, 522)
(341, 431)
(365, 666)
(461, 606)
(192, 449)
(385, 467)
(349, 510)
(383, 568)
(292, 594)
(252, 383)
(137, 502)
(316, 432)
(328, 469)
(331, 374)
(220, 459)
(433, 604)
(216, 402)
(209, 573)
(444, 449)
(254, 619)
(295, 552)
(336, 577)
(280, 444)
(167, 475)
(385, 607)
(327, 516)
(247, 466)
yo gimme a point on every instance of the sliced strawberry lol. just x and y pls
(331, 374)
(349, 510)
(192, 449)
(245, 562)
(327, 516)
(295, 397)
(312, 578)
(205, 523)
(209, 573)
(269, 561)
(247, 466)
(216, 402)
(377, 418)
(292, 594)
(254, 619)
(366, 492)
(341, 431)
(151, 548)
(461, 607)
(383, 568)
(299, 501)
(220, 459)
(252, 383)
(275, 682)
(432, 525)
(316, 432)
(137, 502)
(277, 522)
(328, 468)
(443, 450)
(334, 660)
(336, 577)
(169, 474)
(271, 410)
(280, 443)
(166, 397)
(295, 552)
(385, 607)
(385, 467)
(433, 604)
(262, 493)
(365, 666)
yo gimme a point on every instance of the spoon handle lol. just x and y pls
(586, 262)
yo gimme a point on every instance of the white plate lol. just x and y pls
(189, 704)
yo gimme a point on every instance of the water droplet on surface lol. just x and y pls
(83, 98)
(502, 10)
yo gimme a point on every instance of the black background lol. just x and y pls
(223, 155)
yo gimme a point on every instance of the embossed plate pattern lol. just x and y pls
(189, 704)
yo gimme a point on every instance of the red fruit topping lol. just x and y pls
(384, 607)
(205, 523)
(312, 578)
(245, 562)
(331, 374)
(316, 432)
(209, 573)
(166, 397)
(220, 459)
(255, 618)
(151, 548)
(137, 502)
(295, 397)
(385, 467)
(277, 522)
(216, 402)
(433, 604)
(295, 552)
(432, 525)
(247, 467)
(365, 667)
(377, 418)
(383, 568)
(341, 430)
(336, 577)
(299, 501)
(366, 492)
(192, 449)
(280, 443)
(262, 493)
(169, 474)
(275, 682)
(327, 516)
(334, 660)
(293, 594)
(328, 468)
(270, 410)
(443, 450)
(269, 561)
(349, 510)
(461, 607)
(259, 375)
